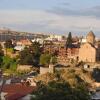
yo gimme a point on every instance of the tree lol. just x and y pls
(45, 59)
(31, 55)
(60, 90)
(69, 40)
(37, 52)
(26, 57)
(9, 63)
(1, 55)
(54, 59)
(8, 44)
(96, 74)
(1, 51)
(36, 48)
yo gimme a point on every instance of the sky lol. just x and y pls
(51, 16)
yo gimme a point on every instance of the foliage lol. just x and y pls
(36, 48)
(60, 90)
(37, 52)
(10, 50)
(69, 40)
(1, 60)
(66, 84)
(1, 55)
(26, 57)
(96, 74)
(1, 51)
(30, 55)
(54, 59)
(74, 77)
(46, 78)
(9, 63)
(45, 59)
(8, 44)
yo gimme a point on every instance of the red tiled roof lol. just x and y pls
(13, 96)
(16, 91)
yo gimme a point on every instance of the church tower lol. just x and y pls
(90, 38)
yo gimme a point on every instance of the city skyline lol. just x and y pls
(51, 16)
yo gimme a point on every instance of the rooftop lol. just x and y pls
(16, 91)
(91, 34)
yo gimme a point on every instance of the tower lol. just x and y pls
(90, 38)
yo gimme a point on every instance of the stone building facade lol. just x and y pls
(89, 52)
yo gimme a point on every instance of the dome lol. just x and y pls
(90, 37)
(91, 34)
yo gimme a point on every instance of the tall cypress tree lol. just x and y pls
(69, 40)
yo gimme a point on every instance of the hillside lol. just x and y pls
(72, 76)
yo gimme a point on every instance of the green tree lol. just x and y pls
(60, 90)
(45, 59)
(31, 55)
(9, 63)
(1, 51)
(26, 57)
(69, 39)
(36, 50)
(54, 59)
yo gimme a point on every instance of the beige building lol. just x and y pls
(89, 52)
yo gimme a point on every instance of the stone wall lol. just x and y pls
(43, 70)
(24, 67)
(49, 69)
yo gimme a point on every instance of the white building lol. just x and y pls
(19, 48)
(38, 40)
(55, 37)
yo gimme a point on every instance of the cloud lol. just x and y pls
(43, 21)
(92, 11)
(65, 4)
